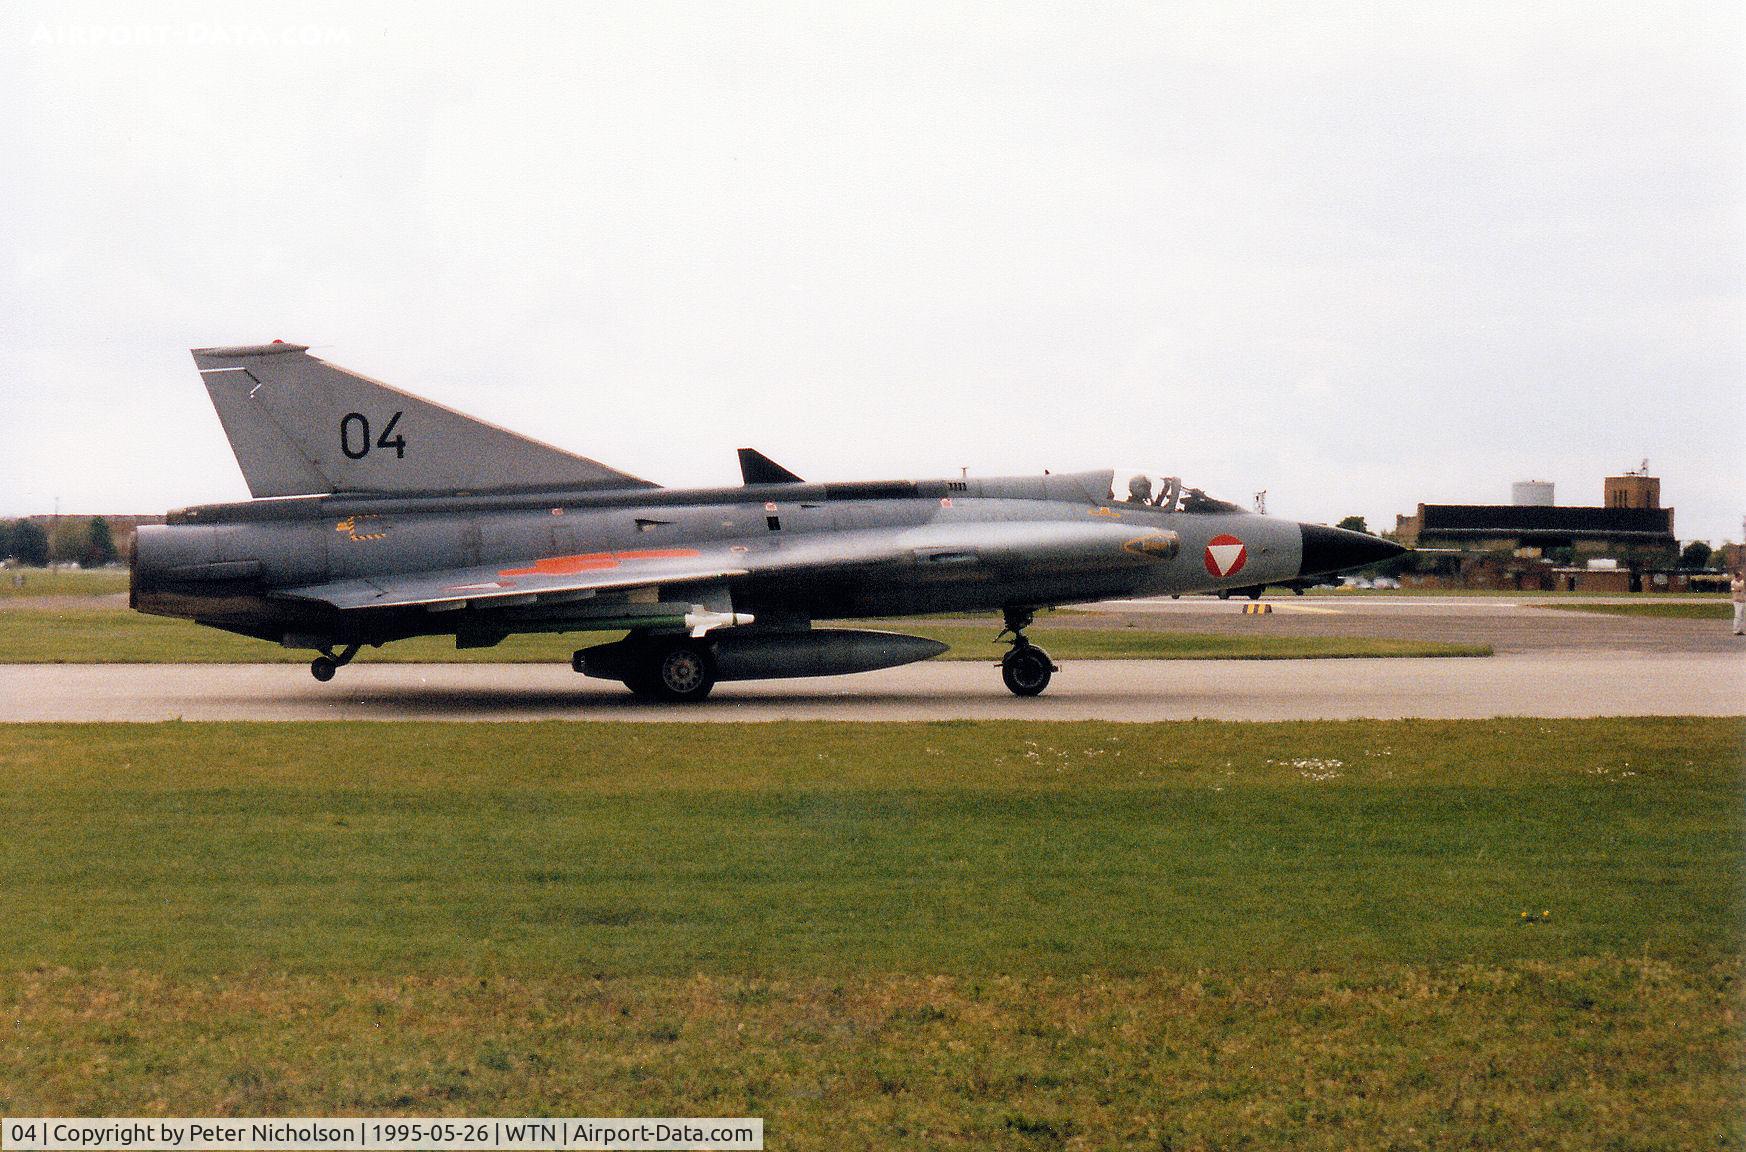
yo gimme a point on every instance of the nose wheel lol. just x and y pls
(325, 665)
(1026, 668)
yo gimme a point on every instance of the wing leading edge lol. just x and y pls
(548, 580)
(554, 579)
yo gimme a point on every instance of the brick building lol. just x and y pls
(1544, 545)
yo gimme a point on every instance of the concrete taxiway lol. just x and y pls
(1534, 684)
(1510, 624)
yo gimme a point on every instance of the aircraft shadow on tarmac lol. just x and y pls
(464, 700)
(463, 703)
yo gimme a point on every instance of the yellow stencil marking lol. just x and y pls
(350, 527)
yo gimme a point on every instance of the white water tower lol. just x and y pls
(1531, 493)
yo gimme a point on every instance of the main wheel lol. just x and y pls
(1224, 593)
(684, 673)
(1255, 592)
(323, 668)
(1026, 670)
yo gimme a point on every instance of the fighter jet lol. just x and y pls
(377, 516)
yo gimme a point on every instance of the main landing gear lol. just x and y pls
(682, 672)
(1026, 668)
(325, 665)
(677, 669)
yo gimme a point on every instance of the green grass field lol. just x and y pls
(924, 935)
(1658, 610)
(119, 636)
(21, 582)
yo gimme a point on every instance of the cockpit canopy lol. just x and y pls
(1165, 493)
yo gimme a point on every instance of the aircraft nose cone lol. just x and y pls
(1335, 549)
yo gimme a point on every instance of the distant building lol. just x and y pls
(1532, 493)
(1568, 578)
(1513, 527)
(1634, 490)
(1533, 543)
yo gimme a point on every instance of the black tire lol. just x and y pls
(1224, 593)
(683, 673)
(578, 661)
(1255, 593)
(1299, 591)
(323, 668)
(1026, 670)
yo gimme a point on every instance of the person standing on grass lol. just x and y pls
(1738, 587)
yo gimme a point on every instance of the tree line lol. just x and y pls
(83, 540)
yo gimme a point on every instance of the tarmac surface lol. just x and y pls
(1549, 663)
(1546, 684)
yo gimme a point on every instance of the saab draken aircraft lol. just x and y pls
(379, 516)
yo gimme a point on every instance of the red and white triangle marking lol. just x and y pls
(1225, 556)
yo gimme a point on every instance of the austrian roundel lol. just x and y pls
(1225, 556)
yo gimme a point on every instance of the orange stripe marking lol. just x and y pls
(594, 562)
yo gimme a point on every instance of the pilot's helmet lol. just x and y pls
(1140, 487)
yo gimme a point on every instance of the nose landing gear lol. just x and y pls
(325, 665)
(1025, 668)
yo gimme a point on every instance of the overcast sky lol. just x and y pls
(1361, 256)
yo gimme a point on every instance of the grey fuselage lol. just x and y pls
(888, 549)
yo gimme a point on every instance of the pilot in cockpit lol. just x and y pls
(1140, 489)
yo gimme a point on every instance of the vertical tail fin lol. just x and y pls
(300, 425)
